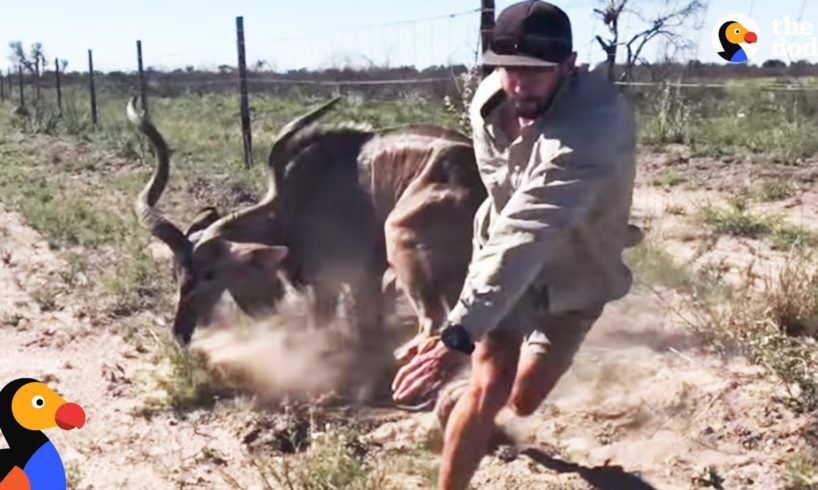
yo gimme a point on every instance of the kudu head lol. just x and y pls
(241, 252)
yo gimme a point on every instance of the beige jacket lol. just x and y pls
(559, 202)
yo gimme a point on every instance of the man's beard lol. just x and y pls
(533, 107)
(530, 107)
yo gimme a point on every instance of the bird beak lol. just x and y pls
(70, 416)
(750, 37)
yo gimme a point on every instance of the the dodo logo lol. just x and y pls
(735, 38)
(31, 462)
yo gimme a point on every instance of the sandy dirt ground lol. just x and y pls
(646, 405)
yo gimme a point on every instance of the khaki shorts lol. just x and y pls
(555, 335)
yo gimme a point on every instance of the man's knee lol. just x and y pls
(527, 397)
(536, 378)
(525, 403)
(546, 357)
(490, 391)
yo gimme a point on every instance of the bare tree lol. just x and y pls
(610, 16)
(369, 62)
(388, 51)
(19, 57)
(666, 25)
(33, 62)
(261, 64)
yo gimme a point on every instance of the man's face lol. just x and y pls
(531, 88)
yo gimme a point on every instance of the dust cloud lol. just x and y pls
(290, 354)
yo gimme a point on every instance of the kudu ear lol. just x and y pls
(269, 256)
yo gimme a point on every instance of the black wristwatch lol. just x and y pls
(457, 338)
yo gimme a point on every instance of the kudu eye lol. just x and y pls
(208, 275)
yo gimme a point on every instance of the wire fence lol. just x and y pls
(431, 40)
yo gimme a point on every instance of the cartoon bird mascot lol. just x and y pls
(31, 461)
(732, 35)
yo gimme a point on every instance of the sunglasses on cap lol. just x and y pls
(546, 48)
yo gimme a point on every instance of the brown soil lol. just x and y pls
(646, 405)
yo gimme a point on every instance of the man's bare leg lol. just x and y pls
(471, 423)
(536, 377)
(545, 359)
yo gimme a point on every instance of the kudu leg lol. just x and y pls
(428, 246)
(326, 303)
(414, 274)
(364, 376)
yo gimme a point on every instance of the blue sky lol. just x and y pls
(318, 33)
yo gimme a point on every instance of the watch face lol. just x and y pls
(456, 338)
(449, 337)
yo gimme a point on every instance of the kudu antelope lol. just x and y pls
(342, 207)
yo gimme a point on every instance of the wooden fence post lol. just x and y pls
(37, 79)
(22, 94)
(59, 87)
(91, 87)
(247, 135)
(486, 27)
(142, 91)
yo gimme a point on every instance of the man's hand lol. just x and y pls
(418, 345)
(424, 372)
